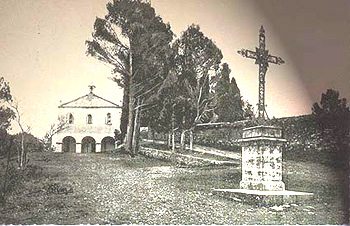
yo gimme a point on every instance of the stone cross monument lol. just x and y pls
(262, 145)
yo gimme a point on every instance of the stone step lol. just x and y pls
(264, 198)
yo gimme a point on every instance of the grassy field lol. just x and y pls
(116, 189)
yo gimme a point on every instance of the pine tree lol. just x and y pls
(135, 41)
(333, 120)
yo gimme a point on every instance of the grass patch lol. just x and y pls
(117, 189)
(140, 162)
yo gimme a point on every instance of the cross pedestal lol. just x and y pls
(261, 182)
(262, 158)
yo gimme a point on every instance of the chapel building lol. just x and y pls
(90, 122)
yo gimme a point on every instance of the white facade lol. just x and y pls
(90, 123)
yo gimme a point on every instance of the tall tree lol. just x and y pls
(229, 102)
(6, 115)
(9, 112)
(197, 60)
(161, 113)
(333, 119)
(132, 38)
(332, 113)
(22, 154)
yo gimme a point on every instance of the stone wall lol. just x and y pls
(221, 138)
(304, 142)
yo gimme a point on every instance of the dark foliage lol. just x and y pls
(141, 62)
(333, 122)
(32, 143)
(248, 110)
(229, 103)
(6, 114)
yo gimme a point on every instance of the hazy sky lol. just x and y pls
(42, 49)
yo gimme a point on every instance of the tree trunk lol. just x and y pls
(21, 162)
(169, 141)
(136, 135)
(183, 131)
(191, 140)
(4, 190)
(149, 132)
(182, 141)
(125, 111)
(19, 154)
(130, 129)
(173, 130)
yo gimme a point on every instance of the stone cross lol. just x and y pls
(262, 58)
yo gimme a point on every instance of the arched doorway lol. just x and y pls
(68, 144)
(107, 144)
(88, 145)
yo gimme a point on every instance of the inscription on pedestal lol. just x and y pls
(262, 158)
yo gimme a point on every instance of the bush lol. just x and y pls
(15, 177)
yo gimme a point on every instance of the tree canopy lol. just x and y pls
(332, 113)
(333, 120)
(170, 85)
(136, 42)
(197, 60)
(6, 113)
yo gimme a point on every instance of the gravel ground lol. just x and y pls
(144, 195)
(122, 190)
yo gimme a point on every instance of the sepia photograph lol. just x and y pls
(174, 112)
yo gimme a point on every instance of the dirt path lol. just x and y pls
(206, 150)
(143, 195)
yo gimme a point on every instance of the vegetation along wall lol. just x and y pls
(304, 140)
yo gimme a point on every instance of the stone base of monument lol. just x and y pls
(264, 198)
(261, 182)
(262, 185)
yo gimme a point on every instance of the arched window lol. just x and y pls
(70, 118)
(89, 119)
(109, 119)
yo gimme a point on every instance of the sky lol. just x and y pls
(43, 52)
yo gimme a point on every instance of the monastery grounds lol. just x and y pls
(70, 188)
